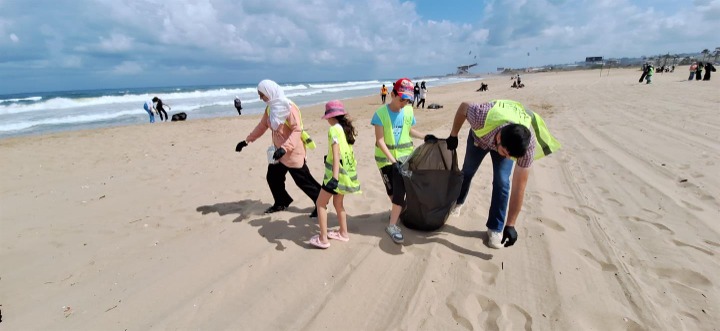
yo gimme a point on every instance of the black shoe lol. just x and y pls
(275, 208)
(314, 213)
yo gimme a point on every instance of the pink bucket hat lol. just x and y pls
(334, 108)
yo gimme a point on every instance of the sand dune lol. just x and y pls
(161, 226)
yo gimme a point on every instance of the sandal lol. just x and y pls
(337, 236)
(315, 241)
(275, 208)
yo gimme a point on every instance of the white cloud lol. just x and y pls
(14, 38)
(127, 68)
(116, 43)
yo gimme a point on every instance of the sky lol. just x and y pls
(59, 45)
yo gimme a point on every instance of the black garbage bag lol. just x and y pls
(432, 184)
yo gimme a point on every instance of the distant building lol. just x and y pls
(594, 60)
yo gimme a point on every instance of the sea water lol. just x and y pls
(39, 113)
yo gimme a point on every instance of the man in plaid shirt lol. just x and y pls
(505, 142)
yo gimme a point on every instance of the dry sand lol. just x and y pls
(161, 226)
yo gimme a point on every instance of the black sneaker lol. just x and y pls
(275, 208)
(314, 213)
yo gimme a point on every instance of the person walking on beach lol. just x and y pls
(383, 93)
(282, 117)
(238, 104)
(507, 131)
(340, 173)
(698, 71)
(708, 68)
(393, 145)
(693, 67)
(416, 94)
(160, 108)
(423, 94)
(650, 73)
(645, 68)
(150, 109)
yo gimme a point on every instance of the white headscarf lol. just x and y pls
(278, 103)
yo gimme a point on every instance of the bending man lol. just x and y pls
(507, 131)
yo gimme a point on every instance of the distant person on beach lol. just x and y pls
(238, 104)
(693, 67)
(698, 71)
(423, 94)
(708, 68)
(645, 68)
(160, 108)
(383, 93)
(340, 174)
(393, 145)
(416, 94)
(150, 109)
(282, 117)
(483, 87)
(650, 73)
(511, 134)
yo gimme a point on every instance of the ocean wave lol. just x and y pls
(77, 119)
(346, 84)
(13, 100)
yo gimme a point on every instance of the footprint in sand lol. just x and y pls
(488, 270)
(577, 213)
(615, 201)
(657, 225)
(656, 214)
(474, 311)
(682, 244)
(604, 266)
(684, 276)
(511, 315)
(551, 223)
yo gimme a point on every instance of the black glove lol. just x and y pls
(510, 235)
(397, 166)
(332, 184)
(429, 138)
(278, 153)
(240, 146)
(452, 143)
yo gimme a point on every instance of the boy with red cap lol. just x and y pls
(393, 145)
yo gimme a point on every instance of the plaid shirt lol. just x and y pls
(476, 115)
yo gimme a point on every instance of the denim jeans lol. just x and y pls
(152, 116)
(502, 168)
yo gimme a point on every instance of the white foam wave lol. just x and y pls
(346, 84)
(20, 99)
(77, 119)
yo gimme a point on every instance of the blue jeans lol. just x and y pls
(152, 116)
(502, 168)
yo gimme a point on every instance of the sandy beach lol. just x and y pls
(161, 226)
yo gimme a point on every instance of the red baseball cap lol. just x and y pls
(404, 88)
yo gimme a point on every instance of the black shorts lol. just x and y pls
(394, 185)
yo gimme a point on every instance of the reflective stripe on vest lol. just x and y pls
(508, 111)
(347, 176)
(400, 150)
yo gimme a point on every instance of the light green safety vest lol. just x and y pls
(304, 136)
(508, 111)
(347, 177)
(651, 71)
(400, 150)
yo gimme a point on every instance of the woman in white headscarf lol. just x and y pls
(282, 117)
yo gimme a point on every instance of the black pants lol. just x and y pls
(383, 98)
(422, 101)
(239, 109)
(162, 111)
(303, 179)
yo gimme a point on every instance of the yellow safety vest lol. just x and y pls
(304, 136)
(508, 111)
(347, 177)
(400, 150)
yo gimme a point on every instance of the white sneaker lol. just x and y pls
(494, 239)
(456, 211)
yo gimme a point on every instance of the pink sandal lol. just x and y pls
(315, 241)
(337, 236)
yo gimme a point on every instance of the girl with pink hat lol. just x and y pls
(340, 174)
